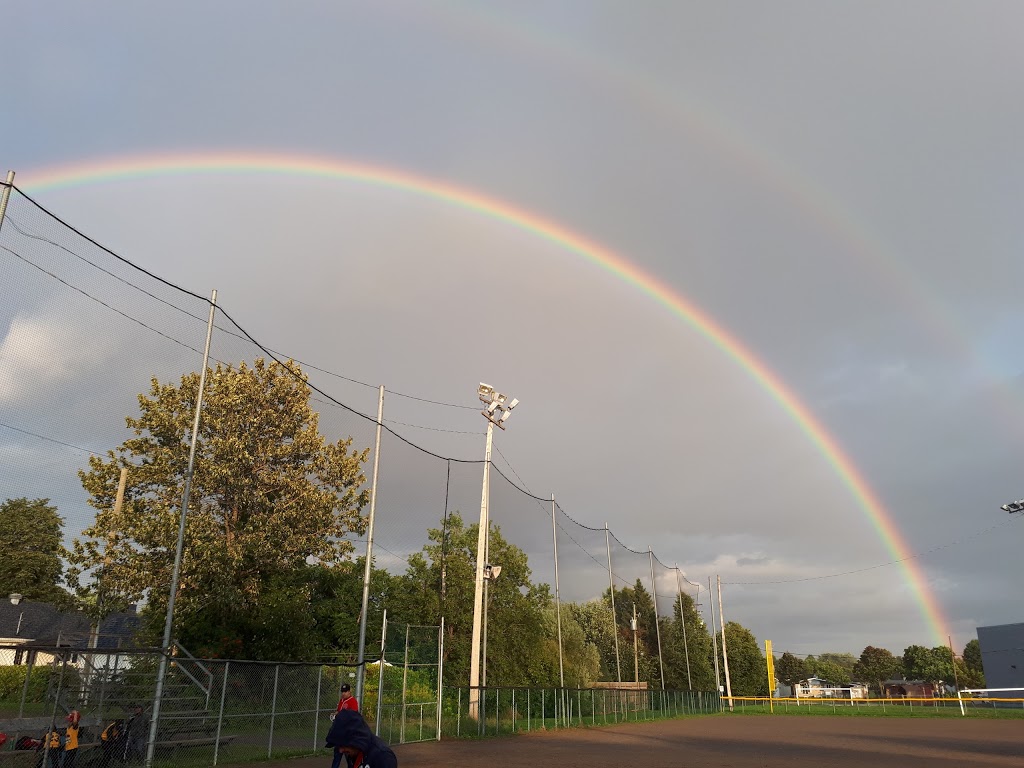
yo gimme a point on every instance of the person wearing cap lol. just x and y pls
(347, 702)
(351, 736)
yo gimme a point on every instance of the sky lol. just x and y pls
(834, 190)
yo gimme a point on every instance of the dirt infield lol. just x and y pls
(737, 741)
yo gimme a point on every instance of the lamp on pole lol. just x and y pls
(497, 410)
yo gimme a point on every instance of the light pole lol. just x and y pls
(497, 410)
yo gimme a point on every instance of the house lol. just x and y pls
(32, 632)
(911, 689)
(819, 688)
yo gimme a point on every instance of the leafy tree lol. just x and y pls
(31, 542)
(645, 657)
(875, 666)
(974, 670)
(269, 494)
(748, 673)
(697, 648)
(517, 631)
(846, 661)
(595, 621)
(829, 670)
(790, 669)
(932, 665)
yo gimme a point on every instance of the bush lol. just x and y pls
(12, 681)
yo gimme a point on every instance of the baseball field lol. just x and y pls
(737, 741)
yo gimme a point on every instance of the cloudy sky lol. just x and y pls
(837, 187)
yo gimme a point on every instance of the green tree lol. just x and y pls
(973, 667)
(748, 672)
(693, 647)
(269, 494)
(517, 634)
(790, 669)
(830, 670)
(875, 666)
(643, 654)
(845, 661)
(31, 534)
(595, 621)
(932, 665)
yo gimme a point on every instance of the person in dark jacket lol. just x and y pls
(350, 733)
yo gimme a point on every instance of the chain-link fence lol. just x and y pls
(217, 711)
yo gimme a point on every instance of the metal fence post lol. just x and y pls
(220, 714)
(273, 712)
(380, 673)
(405, 685)
(165, 646)
(440, 676)
(316, 707)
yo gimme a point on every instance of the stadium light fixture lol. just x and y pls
(1013, 506)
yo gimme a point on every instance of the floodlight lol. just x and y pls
(485, 392)
(15, 598)
(491, 572)
(1013, 506)
(513, 404)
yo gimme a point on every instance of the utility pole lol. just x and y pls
(725, 653)
(368, 565)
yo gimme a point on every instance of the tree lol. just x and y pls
(932, 665)
(830, 671)
(974, 669)
(269, 494)
(696, 648)
(875, 666)
(31, 535)
(517, 629)
(595, 621)
(645, 659)
(748, 673)
(790, 669)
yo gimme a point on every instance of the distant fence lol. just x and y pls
(903, 707)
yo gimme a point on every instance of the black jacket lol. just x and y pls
(350, 730)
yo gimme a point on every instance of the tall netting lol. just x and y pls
(585, 590)
(88, 337)
(83, 335)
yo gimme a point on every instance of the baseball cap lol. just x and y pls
(345, 687)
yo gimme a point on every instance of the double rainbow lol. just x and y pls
(134, 167)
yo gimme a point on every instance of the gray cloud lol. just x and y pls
(838, 192)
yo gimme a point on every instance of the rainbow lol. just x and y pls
(124, 168)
